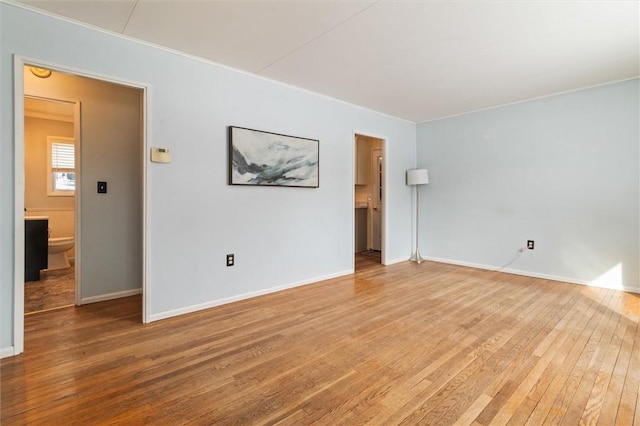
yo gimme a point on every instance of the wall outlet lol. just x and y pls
(530, 244)
(230, 259)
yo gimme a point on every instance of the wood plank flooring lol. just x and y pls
(367, 259)
(55, 289)
(404, 344)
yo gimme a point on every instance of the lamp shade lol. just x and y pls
(417, 177)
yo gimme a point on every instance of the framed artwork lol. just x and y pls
(270, 159)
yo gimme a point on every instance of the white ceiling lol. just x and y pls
(414, 60)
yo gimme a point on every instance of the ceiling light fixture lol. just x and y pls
(40, 72)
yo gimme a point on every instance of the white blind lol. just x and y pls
(62, 156)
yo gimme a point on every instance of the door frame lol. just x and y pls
(385, 195)
(78, 172)
(19, 62)
(375, 164)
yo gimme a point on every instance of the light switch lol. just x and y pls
(102, 187)
(160, 155)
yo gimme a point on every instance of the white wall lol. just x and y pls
(563, 171)
(280, 236)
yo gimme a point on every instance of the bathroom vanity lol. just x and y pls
(36, 236)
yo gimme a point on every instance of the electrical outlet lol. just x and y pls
(230, 259)
(530, 244)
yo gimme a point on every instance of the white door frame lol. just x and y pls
(19, 187)
(375, 172)
(385, 196)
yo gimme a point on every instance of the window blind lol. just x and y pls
(62, 156)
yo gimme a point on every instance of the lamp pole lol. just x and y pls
(415, 178)
(416, 256)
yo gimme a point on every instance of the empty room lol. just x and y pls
(320, 212)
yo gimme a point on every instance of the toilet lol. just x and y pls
(57, 256)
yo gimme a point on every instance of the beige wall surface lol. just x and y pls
(36, 131)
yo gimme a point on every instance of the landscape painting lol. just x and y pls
(270, 159)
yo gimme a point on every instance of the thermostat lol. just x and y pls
(160, 155)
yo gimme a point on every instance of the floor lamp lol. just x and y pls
(414, 178)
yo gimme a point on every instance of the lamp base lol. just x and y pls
(417, 257)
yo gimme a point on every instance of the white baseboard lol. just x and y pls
(7, 352)
(394, 261)
(528, 274)
(110, 296)
(218, 302)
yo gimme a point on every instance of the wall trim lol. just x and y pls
(18, 205)
(7, 352)
(52, 209)
(394, 261)
(110, 296)
(193, 57)
(45, 116)
(231, 299)
(527, 274)
(385, 188)
(535, 98)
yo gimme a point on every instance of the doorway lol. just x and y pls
(369, 201)
(376, 202)
(51, 130)
(109, 217)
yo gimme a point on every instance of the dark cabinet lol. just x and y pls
(36, 238)
(361, 229)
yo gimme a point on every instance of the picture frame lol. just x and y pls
(261, 158)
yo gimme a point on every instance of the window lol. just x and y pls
(61, 173)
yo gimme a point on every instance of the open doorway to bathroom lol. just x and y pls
(109, 215)
(108, 259)
(50, 164)
(369, 201)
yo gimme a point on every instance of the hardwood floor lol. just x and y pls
(54, 290)
(367, 259)
(403, 344)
